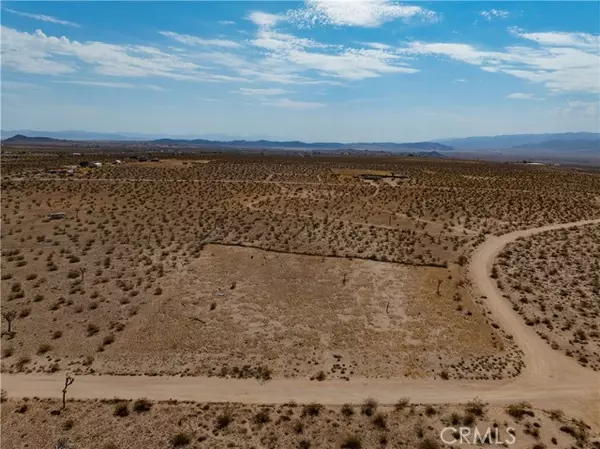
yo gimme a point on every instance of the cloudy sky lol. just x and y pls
(357, 70)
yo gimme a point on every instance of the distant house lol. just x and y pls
(97, 164)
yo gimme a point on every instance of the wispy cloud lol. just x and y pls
(226, 22)
(111, 84)
(522, 96)
(334, 61)
(194, 40)
(41, 17)
(49, 55)
(564, 61)
(286, 103)
(494, 14)
(584, 41)
(262, 92)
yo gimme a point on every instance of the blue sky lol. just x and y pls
(374, 70)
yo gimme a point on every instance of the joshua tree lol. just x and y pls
(68, 381)
(9, 316)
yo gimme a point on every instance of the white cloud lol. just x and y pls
(494, 14)
(111, 84)
(363, 13)
(378, 46)
(194, 40)
(522, 96)
(49, 55)
(41, 17)
(559, 68)
(286, 50)
(262, 92)
(557, 39)
(264, 19)
(286, 103)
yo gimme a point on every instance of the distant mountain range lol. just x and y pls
(391, 147)
(581, 145)
(576, 141)
(581, 142)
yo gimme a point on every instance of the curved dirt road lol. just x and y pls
(549, 380)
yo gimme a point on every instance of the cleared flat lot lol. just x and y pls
(298, 316)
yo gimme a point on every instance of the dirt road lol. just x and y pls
(550, 379)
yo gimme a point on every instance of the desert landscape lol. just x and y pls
(239, 283)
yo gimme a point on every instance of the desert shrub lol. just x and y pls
(304, 444)
(428, 443)
(518, 411)
(475, 407)
(430, 410)
(469, 419)
(109, 339)
(369, 407)
(21, 362)
(43, 348)
(351, 442)
(380, 420)
(121, 409)
(180, 439)
(347, 410)
(223, 420)
(262, 417)
(321, 376)
(454, 419)
(92, 329)
(142, 405)
(401, 404)
(312, 409)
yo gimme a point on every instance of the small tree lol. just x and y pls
(68, 381)
(9, 316)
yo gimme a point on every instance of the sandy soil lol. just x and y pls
(553, 282)
(235, 306)
(116, 424)
(549, 380)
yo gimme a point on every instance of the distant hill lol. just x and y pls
(579, 145)
(298, 145)
(391, 147)
(503, 142)
(21, 139)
